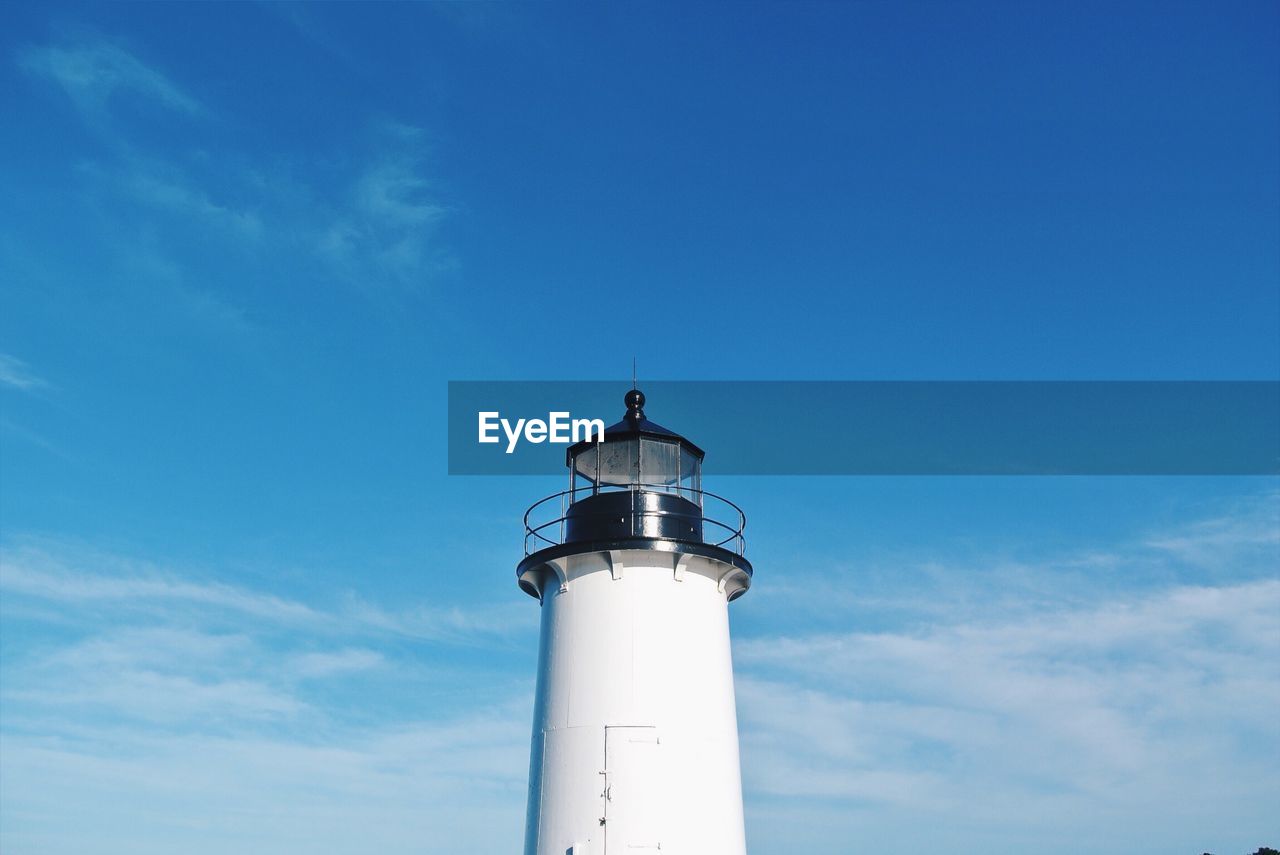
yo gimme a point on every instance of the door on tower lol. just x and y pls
(634, 790)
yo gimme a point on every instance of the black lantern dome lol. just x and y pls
(640, 487)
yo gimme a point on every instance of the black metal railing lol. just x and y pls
(540, 533)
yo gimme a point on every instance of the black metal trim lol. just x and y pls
(736, 538)
(656, 544)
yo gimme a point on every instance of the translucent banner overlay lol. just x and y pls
(896, 428)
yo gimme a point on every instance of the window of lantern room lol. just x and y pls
(660, 465)
(619, 464)
(690, 476)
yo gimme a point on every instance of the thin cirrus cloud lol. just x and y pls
(363, 221)
(93, 74)
(1235, 543)
(47, 577)
(174, 194)
(389, 218)
(174, 676)
(1206, 542)
(57, 574)
(17, 374)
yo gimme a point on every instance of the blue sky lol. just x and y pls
(243, 248)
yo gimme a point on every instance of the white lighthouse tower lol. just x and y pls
(635, 734)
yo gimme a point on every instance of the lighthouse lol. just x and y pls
(635, 733)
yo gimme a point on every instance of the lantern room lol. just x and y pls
(636, 454)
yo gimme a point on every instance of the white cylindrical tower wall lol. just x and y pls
(635, 737)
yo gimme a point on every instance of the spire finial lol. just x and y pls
(635, 404)
(633, 372)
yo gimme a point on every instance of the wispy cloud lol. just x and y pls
(154, 698)
(176, 676)
(386, 226)
(36, 439)
(159, 217)
(175, 194)
(71, 576)
(16, 374)
(175, 289)
(310, 25)
(336, 662)
(94, 73)
(40, 574)
(1134, 707)
(133, 693)
(1252, 527)
(448, 785)
(1240, 542)
(365, 216)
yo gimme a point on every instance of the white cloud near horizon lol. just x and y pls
(144, 709)
(435, 786)
(1086, 697)
(1240, 542)
(1029, 708)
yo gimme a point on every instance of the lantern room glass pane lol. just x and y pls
(690, 472)
(584, 463)
(619, 462)
(659, 463)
